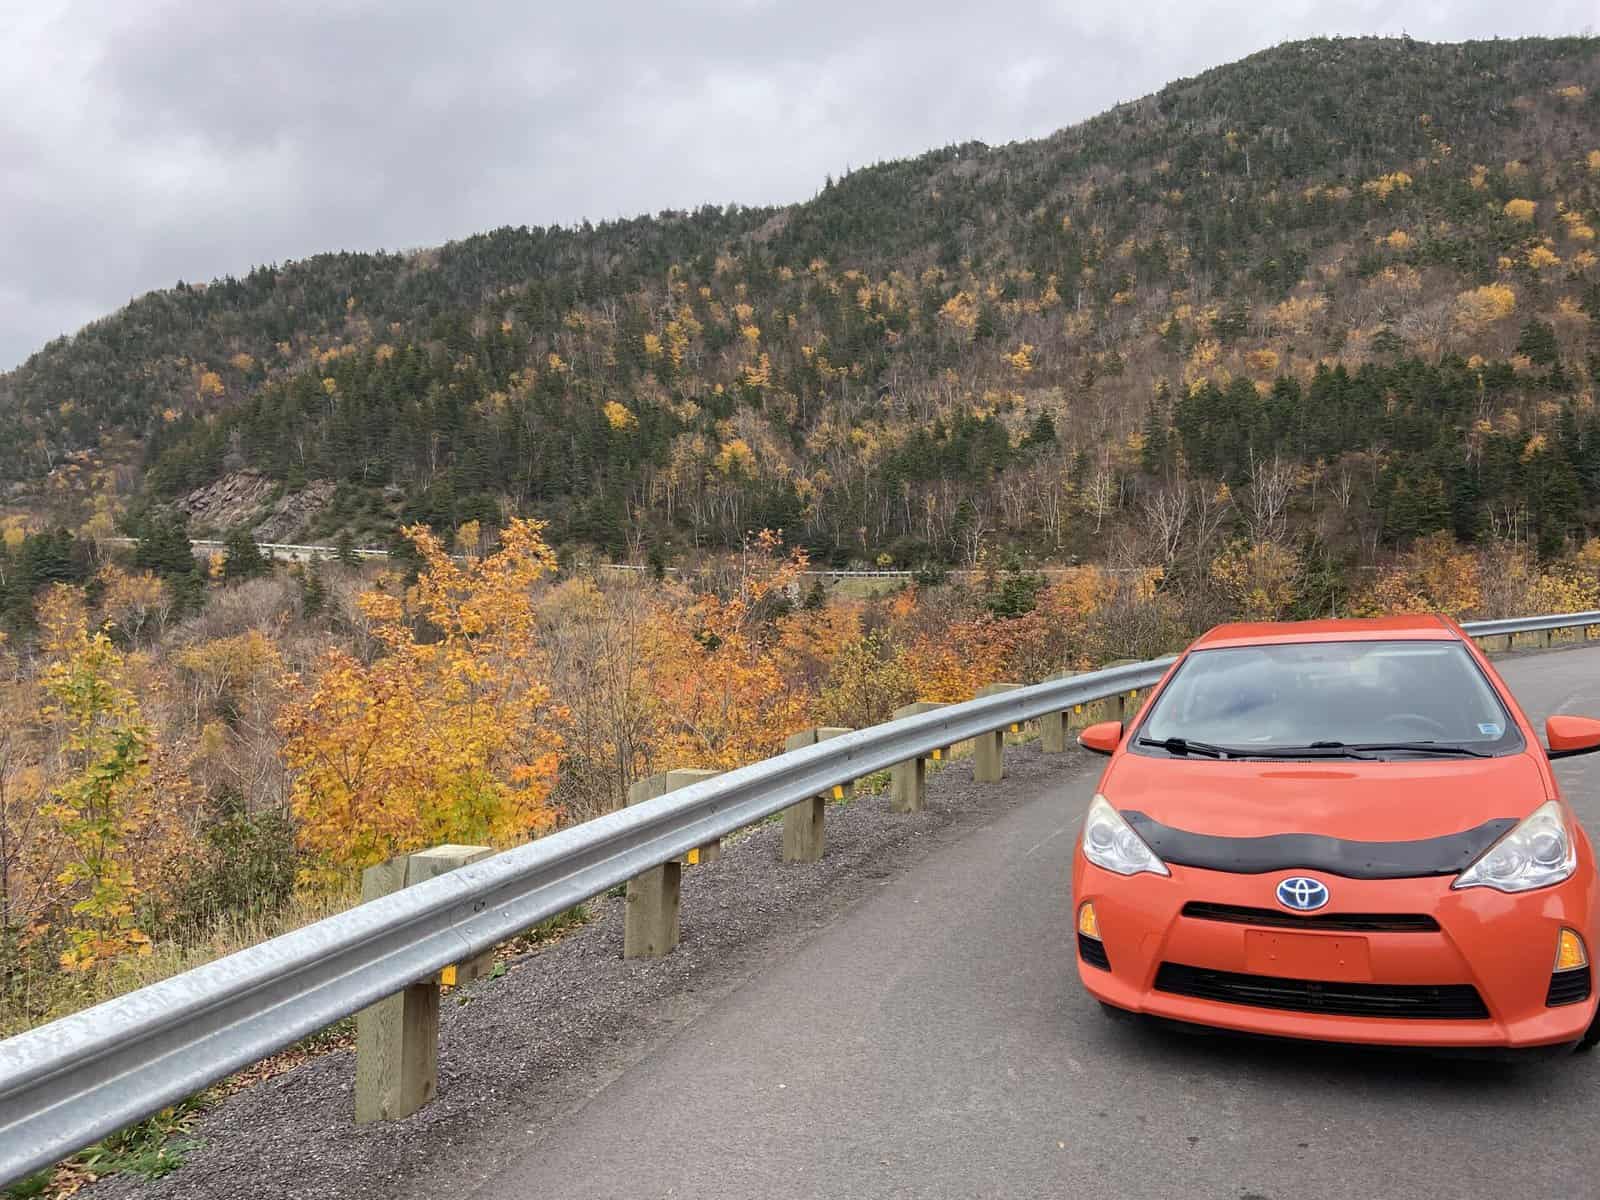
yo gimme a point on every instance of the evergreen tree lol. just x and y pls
(243, 559)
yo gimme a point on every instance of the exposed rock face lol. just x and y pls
(245, 498)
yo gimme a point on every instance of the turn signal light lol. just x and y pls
(1089, 924)
(1570, 954)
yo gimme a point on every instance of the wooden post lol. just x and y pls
(425, 864)
(803, 827)
(1053, 726)
(397, 1039)
(989, 749)
(1114, 708)
(663, 782)
(910, 779)
(650, 924)
(650, 920)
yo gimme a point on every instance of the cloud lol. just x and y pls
(144, 143)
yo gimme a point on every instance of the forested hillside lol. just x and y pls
(1351, 281)
(1309, 334)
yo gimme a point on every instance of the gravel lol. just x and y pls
(564, 1021)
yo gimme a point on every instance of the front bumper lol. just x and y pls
(1502, 945)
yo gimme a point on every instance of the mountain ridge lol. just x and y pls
(955, 321)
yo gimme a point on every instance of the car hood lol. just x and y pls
(1358, 801)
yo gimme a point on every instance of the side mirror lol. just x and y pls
(1105, 737)
(1571, 735)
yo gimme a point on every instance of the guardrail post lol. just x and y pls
(989, 763)
(650, 920)
(397, 1039)
(803, 829)
(663, 782)
(1053, 725)
(909, 780)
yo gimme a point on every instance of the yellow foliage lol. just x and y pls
(619, 416)
(1398, 240)
(1263, 361)
(1383, 186)
(1520, 209)
(1436, 576)
(1258, 579)
(1022, 360)
(448, 739)
(960, 314)
(1484, 305)
(209, 385)
(1541, 257)
(1479, 178)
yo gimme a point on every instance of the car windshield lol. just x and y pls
(1393, 698)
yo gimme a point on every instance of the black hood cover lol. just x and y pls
(1447, 855)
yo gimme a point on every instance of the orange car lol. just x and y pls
(1345, 831)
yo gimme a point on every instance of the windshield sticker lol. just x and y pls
(1490, 730)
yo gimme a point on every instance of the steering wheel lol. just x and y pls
(1431, 725)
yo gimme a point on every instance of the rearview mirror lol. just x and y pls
(1105, 737)
(1572, 735)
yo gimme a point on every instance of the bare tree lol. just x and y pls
(1167, 512)
(1271, 485)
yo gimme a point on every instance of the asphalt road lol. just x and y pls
(935, 1042)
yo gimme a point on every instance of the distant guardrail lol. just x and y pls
(72, 1081)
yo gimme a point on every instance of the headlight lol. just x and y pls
(1538, 852)
(1110, 842)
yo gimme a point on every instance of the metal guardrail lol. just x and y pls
(270, 549)
(66, 1084)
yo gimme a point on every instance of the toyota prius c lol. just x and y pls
(1344, 831)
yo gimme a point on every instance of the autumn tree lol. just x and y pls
(448, 735)
(104, 746)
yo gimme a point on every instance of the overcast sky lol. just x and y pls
(146, 141)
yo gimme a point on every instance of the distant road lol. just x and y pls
(935, 1042)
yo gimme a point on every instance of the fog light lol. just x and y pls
(1089, 924)
(1570, 954)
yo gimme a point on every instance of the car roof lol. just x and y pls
(1416, 626)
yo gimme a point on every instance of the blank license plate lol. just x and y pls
(1307, 956)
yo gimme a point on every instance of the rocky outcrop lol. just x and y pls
(247, 498)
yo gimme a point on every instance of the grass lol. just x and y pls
(154, 1147)
(43, 996)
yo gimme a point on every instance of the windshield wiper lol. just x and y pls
(1419, 747)
(1178, 745)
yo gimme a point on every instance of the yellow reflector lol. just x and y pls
(937, 754)
(1015, 728)
(1088, 923)
(447, 977)
(838, 791)
(693, 857)
(1570, 954)
(1077, 708)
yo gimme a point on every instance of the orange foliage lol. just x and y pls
(447, 738)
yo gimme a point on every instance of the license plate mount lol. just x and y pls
(1337, 958)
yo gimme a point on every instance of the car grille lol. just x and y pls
(1432, 1001)
(1568, 987)
(1093, 952)
(1239, 914)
